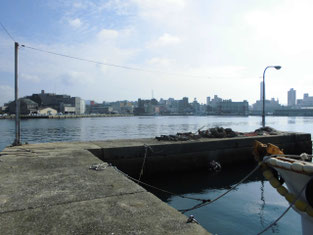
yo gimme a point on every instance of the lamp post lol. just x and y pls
(263, 110)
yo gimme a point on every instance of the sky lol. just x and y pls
(174, 48)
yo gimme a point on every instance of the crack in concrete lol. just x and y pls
(69, 202)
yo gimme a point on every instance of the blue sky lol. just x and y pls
(196, 48)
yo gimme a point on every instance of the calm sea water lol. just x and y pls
(247, 210)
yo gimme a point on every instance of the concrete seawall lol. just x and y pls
(66, 116)
(173, 156)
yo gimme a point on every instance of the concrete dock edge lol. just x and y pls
(49, 189)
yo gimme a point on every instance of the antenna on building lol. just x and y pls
(152, 94)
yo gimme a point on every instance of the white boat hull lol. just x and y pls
(295, 182)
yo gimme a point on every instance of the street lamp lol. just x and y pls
(263, 111)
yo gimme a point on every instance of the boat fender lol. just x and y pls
(282, 190)
(290, 197)
(309, 192)
(309, 211)
(275, 183)
(301, 205)
(268, 174)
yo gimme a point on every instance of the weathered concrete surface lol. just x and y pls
(171, 156)
(49, 189)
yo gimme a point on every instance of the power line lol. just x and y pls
(111, 65)
(7, 32)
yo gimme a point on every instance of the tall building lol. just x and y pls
(291, 97)
(261, 91)
(307, 101)
(208, 100)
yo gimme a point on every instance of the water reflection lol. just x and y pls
(202, 181)
(248, 209)
(291, 120)
(261, 213)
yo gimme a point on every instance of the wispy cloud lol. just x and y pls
(6, 94)
(108, 34)
(30, 78)
(160, 62)
(165, 40)
(76, 23)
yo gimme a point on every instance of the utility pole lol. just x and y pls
(17, 140)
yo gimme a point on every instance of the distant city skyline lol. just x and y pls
(186, 48)
(59, 104)
(286, 103)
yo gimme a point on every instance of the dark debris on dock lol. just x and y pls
(217, 132)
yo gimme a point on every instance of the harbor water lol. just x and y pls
(246, 210)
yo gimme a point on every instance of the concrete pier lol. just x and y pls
(49, 188)
(174, 156)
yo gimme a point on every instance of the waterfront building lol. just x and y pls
(294, 112)
(27, 106)
(172, 105)
(307, 101)
(3, 109)
(196, 106)
(292, 97)
(95, 108)
(82, 107)
(208, 100)
(215, 101)
(122, 107)
(56, 102)
(47, 111)
(261, 91)
(228, 107)
(270, 106)
(67, 109)
(146, 107)
(184, 107)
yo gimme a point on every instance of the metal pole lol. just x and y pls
(263, 107)
(17, 102)
(277, 67)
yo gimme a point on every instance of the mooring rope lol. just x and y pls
(144, 160)
(223, 194)
(205, 202)
(288, 208)
(159, 189)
